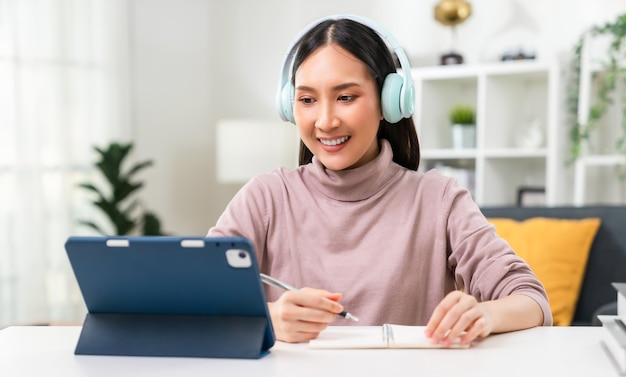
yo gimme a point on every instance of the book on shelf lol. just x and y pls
(385, 336)
(614, 339)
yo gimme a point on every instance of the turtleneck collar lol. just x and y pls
(354, 184)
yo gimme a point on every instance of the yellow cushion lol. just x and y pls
(557, 251)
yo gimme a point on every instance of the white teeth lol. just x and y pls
(335, 141)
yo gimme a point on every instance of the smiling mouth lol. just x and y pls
(334, 142)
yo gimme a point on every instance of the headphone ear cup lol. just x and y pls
(390, 98)
(407, 99)
(286, 104)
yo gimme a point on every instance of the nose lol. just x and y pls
(327, 117)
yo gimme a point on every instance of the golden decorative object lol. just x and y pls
(452, 12)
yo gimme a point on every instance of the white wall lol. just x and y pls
(196, 61)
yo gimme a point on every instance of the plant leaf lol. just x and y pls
(137, 167)
(92, 225)
(90, 187)
(125, 189)
(151, 225)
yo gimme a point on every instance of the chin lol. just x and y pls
(336, 165)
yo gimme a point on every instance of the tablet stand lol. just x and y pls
(174, 335)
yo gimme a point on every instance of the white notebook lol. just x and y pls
(385, 336)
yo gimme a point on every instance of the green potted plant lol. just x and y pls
(117, 199)
(613, 71)
(463, 121)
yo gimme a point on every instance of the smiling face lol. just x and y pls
(337, 108)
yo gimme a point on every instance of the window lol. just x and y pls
(64, 78)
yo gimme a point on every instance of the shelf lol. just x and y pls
(602, 160)
(451, 154)
(598, 171)
(597, 67)
(507, 96)
(597, 180)
(451, 72)
(516, 153)
(448, 154)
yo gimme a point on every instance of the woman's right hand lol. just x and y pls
(299, 316)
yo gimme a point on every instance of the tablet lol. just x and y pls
(170, 296)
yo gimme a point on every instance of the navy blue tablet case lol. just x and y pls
(170, 296)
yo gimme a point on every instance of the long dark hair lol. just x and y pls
(364, 43)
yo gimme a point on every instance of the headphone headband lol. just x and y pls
(398, 94)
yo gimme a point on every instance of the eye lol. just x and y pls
(306, 100)
(345, 98)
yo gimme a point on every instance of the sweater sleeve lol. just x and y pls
(246, 216)
(483, 263)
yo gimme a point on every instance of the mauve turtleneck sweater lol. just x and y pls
(393, 241)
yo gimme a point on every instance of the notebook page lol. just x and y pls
(413, 337)
(363, 337)
(350, 337)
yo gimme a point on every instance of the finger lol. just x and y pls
(439, 313)
(322, 300)
(458, 318)
(295, 323)
(458, 315)
(310, 305)
(472, 332)
(296, 335)
(480, 328)
(462, 326)
(301, 315)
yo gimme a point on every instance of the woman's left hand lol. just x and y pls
(459, 316)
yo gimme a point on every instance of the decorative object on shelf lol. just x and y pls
(126, 218)
(463, 121)
(529, 135)
(580, 132)
(515, 34)
(531, 197)
(452, 13)
(519, 54)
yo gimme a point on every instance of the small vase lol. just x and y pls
(464, 136)
(529, 135)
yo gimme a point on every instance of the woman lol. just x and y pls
(356, 222)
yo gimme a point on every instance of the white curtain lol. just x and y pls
(63, 89)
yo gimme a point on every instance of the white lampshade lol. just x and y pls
(249, 147)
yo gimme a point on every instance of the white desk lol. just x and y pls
(549, 351)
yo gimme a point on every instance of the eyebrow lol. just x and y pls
(336, 87)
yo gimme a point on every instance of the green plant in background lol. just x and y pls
(116, 201)
(462, 114)
(580, 133)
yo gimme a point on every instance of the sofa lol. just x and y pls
(606, 262)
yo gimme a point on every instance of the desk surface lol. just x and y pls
(544, 351)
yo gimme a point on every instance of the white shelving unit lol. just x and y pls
(597, 171)
(506, 96)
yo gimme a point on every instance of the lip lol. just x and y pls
(333, 148)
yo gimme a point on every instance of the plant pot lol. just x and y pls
(463, 136)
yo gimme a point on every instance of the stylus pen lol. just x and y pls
(282, 285)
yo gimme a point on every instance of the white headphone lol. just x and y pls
(397, 98)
